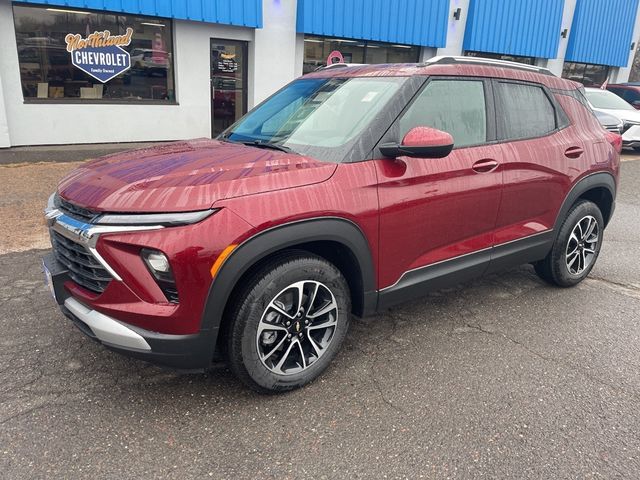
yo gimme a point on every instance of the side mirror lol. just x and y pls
(421, 142)
(636, 104)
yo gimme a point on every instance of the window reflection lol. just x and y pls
(46, 70)
(317, 49)
(590, 75)
(500, 56)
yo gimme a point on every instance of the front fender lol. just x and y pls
(269, 241)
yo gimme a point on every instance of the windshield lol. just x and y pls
(606, 99)
(316, 116)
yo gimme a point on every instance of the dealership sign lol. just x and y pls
(100, 54)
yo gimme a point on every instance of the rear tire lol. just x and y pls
(288, 323)
(576, 247)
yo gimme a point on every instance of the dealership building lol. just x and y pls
(102, 71)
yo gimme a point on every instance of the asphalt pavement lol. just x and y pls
(505, 377)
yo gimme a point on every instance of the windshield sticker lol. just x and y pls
(100, 54)
(369, 96)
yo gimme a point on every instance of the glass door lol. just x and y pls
(228, 83)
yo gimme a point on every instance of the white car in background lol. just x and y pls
(609, 122)
(608, 102)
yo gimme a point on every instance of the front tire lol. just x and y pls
(288, 323)
(576, 248)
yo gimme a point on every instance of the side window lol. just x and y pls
(631, 95)
(525, 112)
(618, 91)
(454, 106)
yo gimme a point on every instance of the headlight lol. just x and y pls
(164, 219)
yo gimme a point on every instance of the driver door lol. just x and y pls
(437, 215)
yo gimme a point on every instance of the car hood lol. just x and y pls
(624, 115)
(607, 119)
(186, 176)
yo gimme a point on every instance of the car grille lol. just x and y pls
(73, 210)
(83, 268)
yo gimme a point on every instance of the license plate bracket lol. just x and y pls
(55, 275)
(48, 280)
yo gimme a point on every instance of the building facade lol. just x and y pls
(101, 71)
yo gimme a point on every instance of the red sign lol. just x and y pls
(335, 55)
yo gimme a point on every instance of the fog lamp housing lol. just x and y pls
(158, 265)
(157, 261)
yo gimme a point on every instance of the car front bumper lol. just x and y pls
(193, 352)
(631, 136)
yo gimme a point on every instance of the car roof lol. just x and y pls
(453, 66)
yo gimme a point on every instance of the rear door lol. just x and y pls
(437, 209)
(537, 157)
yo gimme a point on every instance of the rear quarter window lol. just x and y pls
(525, 111)
(575, 104)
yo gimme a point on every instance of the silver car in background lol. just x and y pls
(609, 122)
(604, 101)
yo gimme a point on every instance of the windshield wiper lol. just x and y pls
(263, 144)
(257, 143)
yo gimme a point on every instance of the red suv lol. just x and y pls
(351, 189)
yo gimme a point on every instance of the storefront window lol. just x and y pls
(589, 75)
(634, 76)
(317, 49)
(499, 56)
(117, 57)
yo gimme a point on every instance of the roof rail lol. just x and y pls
(453, 60)
(339, 65)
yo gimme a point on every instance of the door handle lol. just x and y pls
(573, 152)
(485, 165)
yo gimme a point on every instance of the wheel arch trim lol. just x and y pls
(266, 242)
(582, 186)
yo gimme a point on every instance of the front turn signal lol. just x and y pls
(221, 258)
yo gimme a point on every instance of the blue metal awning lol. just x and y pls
(601, 32)
(411, 22)
(247, 13)
(529, 28)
